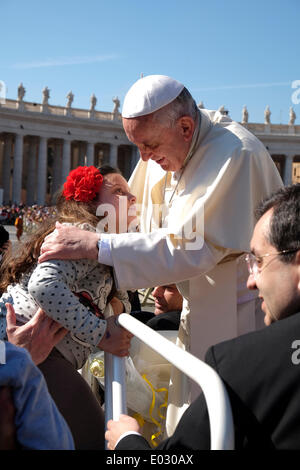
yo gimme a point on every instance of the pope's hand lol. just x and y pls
(39, 335)
(69, 242)
(116, 428)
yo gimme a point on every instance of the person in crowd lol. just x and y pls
(260, 369)
(77, 295)
(198, 179)
(29, 418)
(167, 309)
(19, 226)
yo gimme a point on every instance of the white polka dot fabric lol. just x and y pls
(53, 286)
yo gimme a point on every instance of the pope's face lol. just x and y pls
(278, 283)
(166, 146)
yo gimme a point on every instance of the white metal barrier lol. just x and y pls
(218, 405)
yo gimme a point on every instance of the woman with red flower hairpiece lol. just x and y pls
(79, 295)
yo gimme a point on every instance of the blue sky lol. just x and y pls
(226, 52)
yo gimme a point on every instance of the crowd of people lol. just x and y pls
(196, 185)
(32, 216)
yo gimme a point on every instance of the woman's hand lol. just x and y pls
(39, 335)
(69, 242)
(116, 339)
(117, 306)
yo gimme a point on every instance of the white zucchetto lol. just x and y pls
(149, 94)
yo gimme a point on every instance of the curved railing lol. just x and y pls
(218, 405)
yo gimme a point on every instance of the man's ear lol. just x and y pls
(186, 126)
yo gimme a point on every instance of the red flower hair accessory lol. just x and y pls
(83, 184)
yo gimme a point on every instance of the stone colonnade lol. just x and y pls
(283, 144)
(289, 159)
(288, 165)
(33, 168)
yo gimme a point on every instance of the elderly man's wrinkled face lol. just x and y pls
(167, 146)
(278, 283)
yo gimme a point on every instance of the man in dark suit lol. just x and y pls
(167, 309)
(261, 369)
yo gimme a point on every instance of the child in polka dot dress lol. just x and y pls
(74, 293)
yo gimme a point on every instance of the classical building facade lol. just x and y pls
(283, 143)
(41, 143)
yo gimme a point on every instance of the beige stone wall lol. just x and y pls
(40, 144)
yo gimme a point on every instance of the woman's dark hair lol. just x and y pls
(4, 236)
(284, 233)
(107, 169)
(70, 211)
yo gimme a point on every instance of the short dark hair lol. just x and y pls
(4, 236)
(107, 169)
(284, 233)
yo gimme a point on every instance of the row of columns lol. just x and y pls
(37, 163)
(288, 165)
(288, 168)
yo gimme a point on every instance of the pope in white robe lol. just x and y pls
(195, 223)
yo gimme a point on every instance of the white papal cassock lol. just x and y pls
(206, 227)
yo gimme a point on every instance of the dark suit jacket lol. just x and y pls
(263, 383)
(163, 321)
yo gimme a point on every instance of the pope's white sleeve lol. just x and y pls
(104, 250)
(142, 260)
